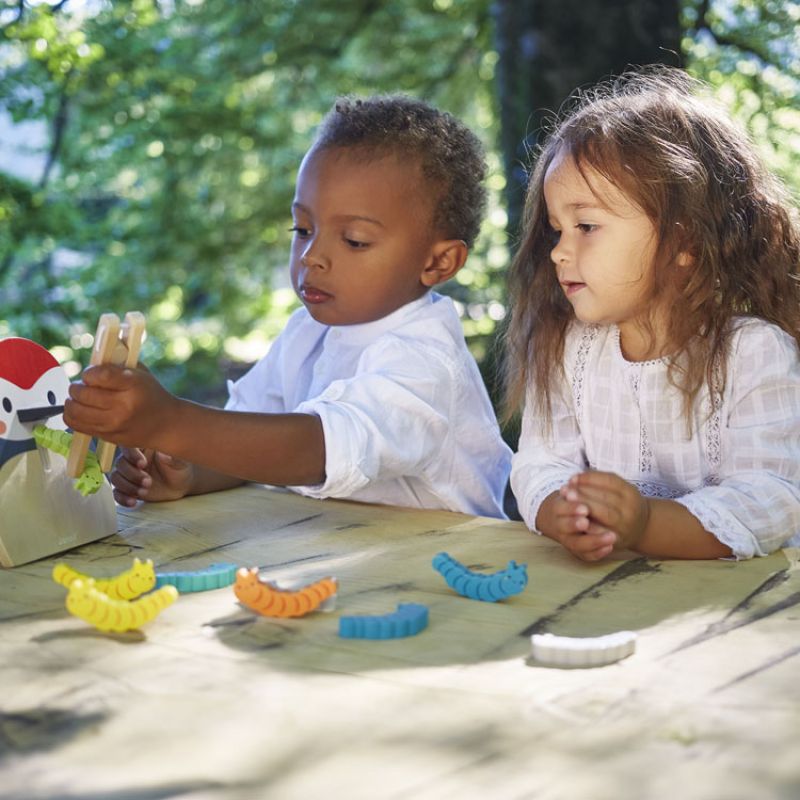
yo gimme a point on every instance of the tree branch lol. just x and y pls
(705, 22)
(59, 126)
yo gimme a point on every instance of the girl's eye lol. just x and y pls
(355, 244)
(586, 227)
(300, 231)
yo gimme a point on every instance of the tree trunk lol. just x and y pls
(548, 48)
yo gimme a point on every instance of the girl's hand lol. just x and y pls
(568, 523)
(612, 504)
(149, 475)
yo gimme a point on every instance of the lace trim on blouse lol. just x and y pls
(713, 432)
(587, 340)
(713, 428)
(645, 452)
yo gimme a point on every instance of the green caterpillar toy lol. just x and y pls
(91, 479)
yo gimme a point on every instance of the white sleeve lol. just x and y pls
(755, 508)
(389, 420)
(260, 389)
(544, 460)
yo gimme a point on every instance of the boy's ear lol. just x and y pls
(446, 258)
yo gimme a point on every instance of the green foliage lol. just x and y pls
(175, 129)
(750, 51)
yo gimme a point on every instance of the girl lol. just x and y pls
(655, 329)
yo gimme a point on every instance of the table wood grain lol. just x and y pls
(212, 702)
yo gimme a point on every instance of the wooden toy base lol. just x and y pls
(42, 514)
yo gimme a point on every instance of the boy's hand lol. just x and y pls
(150, 475)
(613, 504)
(125, 406)
(568, 522)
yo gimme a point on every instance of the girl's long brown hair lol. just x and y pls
(700, 181)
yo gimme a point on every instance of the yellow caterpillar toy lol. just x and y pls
(91, 605)
(137, 580)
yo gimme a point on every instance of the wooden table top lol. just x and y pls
(210, 701)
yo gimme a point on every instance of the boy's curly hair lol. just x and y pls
(450, 154)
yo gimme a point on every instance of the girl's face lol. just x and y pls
(362, 236)
(604, 252)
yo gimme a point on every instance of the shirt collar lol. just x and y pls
(366, 332)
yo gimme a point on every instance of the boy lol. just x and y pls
(370, 392)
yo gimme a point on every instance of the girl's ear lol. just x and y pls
(446, 258)
(684, 259)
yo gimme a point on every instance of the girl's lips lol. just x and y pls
(570, 287)
(312, 295)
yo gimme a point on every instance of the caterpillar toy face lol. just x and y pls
(142, 576)
(246, 580)
(137, 580)
(513, 579)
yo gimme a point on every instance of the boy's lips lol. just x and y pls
(310, 294)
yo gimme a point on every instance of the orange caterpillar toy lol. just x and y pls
(268, 600)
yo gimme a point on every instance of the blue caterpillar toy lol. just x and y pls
(408, 620)
(490, 588)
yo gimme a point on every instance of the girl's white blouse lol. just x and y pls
(739, 471)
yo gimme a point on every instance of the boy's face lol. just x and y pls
(362, 236)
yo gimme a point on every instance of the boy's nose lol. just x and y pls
(312, 257)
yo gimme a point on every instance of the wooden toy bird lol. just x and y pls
(40, 511)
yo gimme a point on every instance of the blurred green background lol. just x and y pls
(148, 150)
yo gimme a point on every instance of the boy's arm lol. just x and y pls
(279, 449)
(130, 408)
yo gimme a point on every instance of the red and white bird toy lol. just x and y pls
(41, 513)
(33, 387)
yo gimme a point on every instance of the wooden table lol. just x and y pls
(212, 702)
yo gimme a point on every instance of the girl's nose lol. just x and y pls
(559, 253)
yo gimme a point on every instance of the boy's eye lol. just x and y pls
(586, 227)
(300, 231)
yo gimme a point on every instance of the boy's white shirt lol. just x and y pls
(406, 416)
(739, 474)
